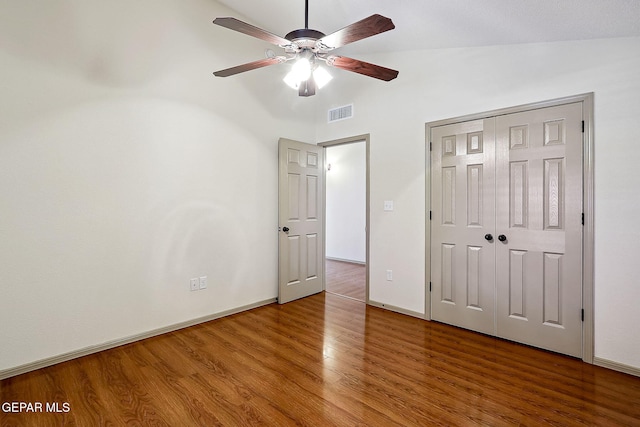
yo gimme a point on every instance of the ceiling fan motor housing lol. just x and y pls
(306, 40)
(304, 34)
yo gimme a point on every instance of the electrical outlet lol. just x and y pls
(389, 275)
(194, 285)
(388, 205)
(203, 282)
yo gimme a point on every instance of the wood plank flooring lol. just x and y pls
(347, 279)
(325, 361)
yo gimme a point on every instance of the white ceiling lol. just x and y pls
(432, 24)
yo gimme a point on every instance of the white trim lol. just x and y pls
(43, 363)
(397, 309)
(620, 367)
(588, 231)
(427, 228)
(348, 140)
(510, 110)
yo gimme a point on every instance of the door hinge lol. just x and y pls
(583, 126)
(429, 286)
(583, 218)
(582, 314)
(430, 215)
(431, 146)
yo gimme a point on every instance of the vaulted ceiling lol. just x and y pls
(432, 24)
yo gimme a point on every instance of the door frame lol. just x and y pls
(332, 143)
(588, 188)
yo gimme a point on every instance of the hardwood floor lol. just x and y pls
(322, 361)
(347, 279)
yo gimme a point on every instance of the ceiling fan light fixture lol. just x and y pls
(302, 69)
(290, 80)
(322, 77)
(300, 72)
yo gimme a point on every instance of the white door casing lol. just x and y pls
(531, 195)
(300, 216)
(364, 138)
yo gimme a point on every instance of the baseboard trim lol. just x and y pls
(350, 261)
(620, 367)
(397, 309)
(43, 363)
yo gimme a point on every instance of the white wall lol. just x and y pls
(126, 168)
(439, 84)
(346, 189)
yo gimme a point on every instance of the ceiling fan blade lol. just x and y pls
(243, 27)
(249, 66)
(361, 67)
(375, 24)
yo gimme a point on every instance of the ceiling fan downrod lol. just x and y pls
(305, 33)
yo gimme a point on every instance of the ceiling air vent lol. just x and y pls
(340, 113)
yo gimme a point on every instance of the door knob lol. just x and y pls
(285, 229)
(502, 237)
(488, 237)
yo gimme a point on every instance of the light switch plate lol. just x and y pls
(203, 282)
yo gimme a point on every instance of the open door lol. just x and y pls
(301, 223)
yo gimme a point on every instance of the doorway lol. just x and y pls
(346, 217)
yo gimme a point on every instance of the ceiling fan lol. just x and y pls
(309, 47)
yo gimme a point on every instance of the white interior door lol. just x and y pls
(506, 228)
(462, 226)
(539, 213)
(300, 215)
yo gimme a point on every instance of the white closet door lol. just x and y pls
(518, 179)
(462, 259)
(539, 213)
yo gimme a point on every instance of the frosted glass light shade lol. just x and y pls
(322, 77)
(301, 71)
(290, 80)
